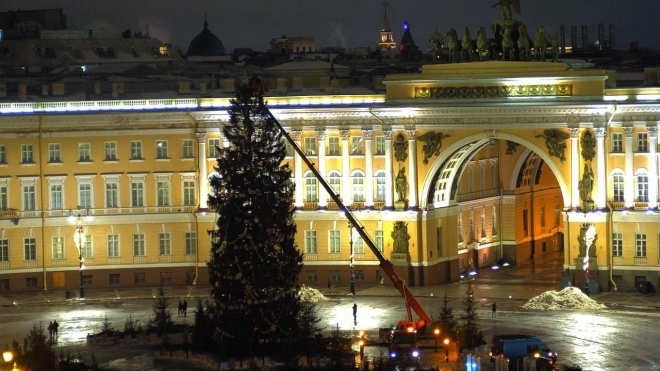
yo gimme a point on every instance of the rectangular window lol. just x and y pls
(311, 189)
(335, 276)
(31, 283)
(110, 151)
(27, 157)
(58, 247)
(113, 245)
(357, 147)
(312, 276)
(379, 239)
(380, 146)
(112, 195)
(640, 245)
(214, 146)
(333, 146)
(165, 278)
(334, 242)
(85, 195)
(29, 248)
(543, 216)
(84, 152)
(288, 147)
(56, 197)
(140, 277)
(359, 275)
(87, 250)
(4, 250)
(137, 194)
(164, 244)
(189, 193)
(191, 243)
(642, 142)
(617, 244)
(138, 245)
(3, 197)
(617, 142)
(54, 152)
(4, 284)
(310, 146)
(163, 193)
(87, 280)
(136, 150)
(161, 149)
(29, 200)
(310, 242)
(188, 149)
(113, 279)
(358, 245)
(3, 154)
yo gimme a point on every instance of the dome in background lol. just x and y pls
(205, 44)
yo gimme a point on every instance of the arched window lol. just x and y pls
(334, 179)
(311, 188)
(357, 180)
(618, 185)
(642, 186)
(380, 186)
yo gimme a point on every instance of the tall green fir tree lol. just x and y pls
(470, 336)
(445, 320)
(255, 263)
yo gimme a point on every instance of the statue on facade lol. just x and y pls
(555, 142)
(523, 44)
(400, 148)
(508, 45)
(506, 7)
(511, 147)
(586, 186)
(432, 144)
(588, 144)
(483, 44)
(554, 45)
(400, 238)
(402, 185)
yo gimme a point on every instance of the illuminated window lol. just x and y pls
(380, 186)
(357, 180)
(310, 146)
(618, 185)
(642, 186)
(161, 149)
(58, 247)
(334, 180)
(357, 147)
(379, 239)
(311, 188)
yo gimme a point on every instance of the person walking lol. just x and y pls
(329, 285)
(50, 330)
(56, 327)
(354, 313)
(494, 314)
(185, 307)
(180, 308)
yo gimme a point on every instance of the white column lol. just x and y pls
(389, 195)
(203, 175)
(412, 169)
(323, 194)
(346, 187)
(297, 171)
(601, 197)
(653, 166)
(575, 167)
(629, 186)
(368, 135)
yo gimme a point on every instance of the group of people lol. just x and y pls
(183, 308)
(53, 327)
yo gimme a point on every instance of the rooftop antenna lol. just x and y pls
(386, 25)
(206, 24)
(146, 29)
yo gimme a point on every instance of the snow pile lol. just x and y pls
(311, 294)
(568, 298)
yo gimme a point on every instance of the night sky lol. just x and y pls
(347, 23)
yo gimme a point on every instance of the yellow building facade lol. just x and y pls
(472, 164)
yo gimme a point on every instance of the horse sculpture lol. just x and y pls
(508, 52)
(467, 44)
(523, 43)
(453, 45)
(540, 43)
(483, 44)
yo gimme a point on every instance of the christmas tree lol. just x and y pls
(255, 264)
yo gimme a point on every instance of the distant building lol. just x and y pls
(27, 24)
(296, 44)
(386, 37)
(205, 44)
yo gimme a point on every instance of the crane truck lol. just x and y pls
(401, 340)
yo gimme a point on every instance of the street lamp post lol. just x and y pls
(77, 217)
(7, 355)
(352, 264)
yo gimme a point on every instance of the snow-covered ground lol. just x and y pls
(568, 298)
(311, 294)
